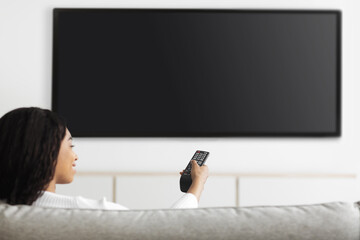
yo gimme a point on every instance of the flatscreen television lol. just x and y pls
(197, 72)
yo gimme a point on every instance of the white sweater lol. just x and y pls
(49, 199)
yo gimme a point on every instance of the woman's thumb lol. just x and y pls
(194, 163)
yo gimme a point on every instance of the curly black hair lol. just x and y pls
(30, 140)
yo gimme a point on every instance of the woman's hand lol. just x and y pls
(199, 173)
(199, 176)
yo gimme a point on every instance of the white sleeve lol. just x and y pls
(98, 204)
(188, 200)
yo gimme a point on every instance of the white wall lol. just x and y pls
(25, 80)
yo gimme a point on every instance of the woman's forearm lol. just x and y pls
(196, 188)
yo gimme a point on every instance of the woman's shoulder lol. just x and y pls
(54, 200)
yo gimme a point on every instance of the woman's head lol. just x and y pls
(30, 142)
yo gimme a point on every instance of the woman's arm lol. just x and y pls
(199, 176)
(192, 197)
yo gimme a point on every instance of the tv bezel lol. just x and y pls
(337, 13)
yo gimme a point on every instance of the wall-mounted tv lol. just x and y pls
(197, 72)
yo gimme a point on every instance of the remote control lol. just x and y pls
(185, 179)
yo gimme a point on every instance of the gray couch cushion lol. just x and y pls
(322, 221)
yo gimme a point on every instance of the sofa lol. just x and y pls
(327, 221)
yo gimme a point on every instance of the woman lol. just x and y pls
(36, 153)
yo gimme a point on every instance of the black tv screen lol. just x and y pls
(197, 72)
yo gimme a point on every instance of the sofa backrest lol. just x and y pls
(337, 220)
